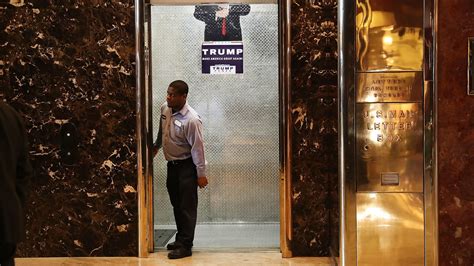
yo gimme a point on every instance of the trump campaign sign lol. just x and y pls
(222, 58)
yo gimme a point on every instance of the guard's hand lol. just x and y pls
(202, 181)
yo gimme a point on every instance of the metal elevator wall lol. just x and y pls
(239, 113)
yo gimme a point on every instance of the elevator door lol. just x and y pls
(240, 207)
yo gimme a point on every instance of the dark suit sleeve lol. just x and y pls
(206, 13)
(159, 137)
(159, 140)
(239, 10)
(24, 170)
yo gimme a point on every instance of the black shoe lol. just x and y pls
(179, 253)
(173, 245)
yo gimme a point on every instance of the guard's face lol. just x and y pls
(174, 99)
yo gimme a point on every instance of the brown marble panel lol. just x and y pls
(66, 61)
(455, 135)
(314, 114)
(75, 65)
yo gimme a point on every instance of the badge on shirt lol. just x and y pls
(178, 123)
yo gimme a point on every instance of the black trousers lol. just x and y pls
(7, 252)
(182, 189)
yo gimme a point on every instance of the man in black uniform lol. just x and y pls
(180, 135)
(15, 174)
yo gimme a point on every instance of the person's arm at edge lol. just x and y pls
(159, 140)
(23, 168)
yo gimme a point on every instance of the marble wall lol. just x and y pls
(455, 135)
(314, 114)
(73, 61)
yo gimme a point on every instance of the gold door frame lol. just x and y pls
(346, 124)
(144, 124)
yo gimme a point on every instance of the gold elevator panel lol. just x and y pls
(385, 87)
(389, 132)
(389, 35)
(390, 229)
(389, 149)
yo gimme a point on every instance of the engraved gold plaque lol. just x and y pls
(389, 36)
(389, 87)
(389, 140)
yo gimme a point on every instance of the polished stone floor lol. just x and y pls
(198, 258)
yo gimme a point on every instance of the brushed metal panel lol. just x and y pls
(389, 87)
(390, 229)
(389, 140)
(389, 35)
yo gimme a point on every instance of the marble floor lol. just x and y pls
(199, 258)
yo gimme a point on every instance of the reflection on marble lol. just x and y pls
(314, 114)
(455, 135)
(73, 61)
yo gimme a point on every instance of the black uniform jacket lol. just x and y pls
(15, 174)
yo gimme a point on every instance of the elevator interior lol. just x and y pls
(240, 113)
(386, 127)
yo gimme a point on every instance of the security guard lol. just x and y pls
(180, 135)
(15, 177)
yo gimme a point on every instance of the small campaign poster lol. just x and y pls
(222, 58)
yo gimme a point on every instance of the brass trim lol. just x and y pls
(286, 228)
(431, 166)
(346, 132)
(435, 137)
(470, 66)
(141, 142)
(149, 128)
(435, 239)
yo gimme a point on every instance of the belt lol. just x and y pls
(177, 162)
